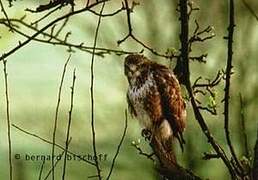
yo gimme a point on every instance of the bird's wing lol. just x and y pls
(173, 106)
(130, 106)
(152, 105)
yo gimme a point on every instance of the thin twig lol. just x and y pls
(41, 169)
(5, 14)
(49, 142)
(227, 81)
(119, 146)
(45, 16)
(22, 44)
(101, 51)
(208, 156)
(131, 35)
(92, 95)
(50, 5)
(69, 124)
(109, 14)
(250, 9)
(142, 153)
(56, 114)
(58, 160)
(62, 27)
(8, 121)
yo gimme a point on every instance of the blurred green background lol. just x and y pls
(34, 74)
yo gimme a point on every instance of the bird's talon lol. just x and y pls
(146, 134)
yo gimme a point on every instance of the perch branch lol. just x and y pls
(169, 168)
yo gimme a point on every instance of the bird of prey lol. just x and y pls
(154, 98)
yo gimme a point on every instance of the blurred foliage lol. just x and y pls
(34, 73)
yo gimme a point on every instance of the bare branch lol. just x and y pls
(52, 4)
(5, 14)
(100, 51)
(208, 156)
(118, 147)
(22, 44)
(41, 169)
(8, 121)
(45, 16)
(69, 125)
(168, 168)
(52, 168)
(109, 14)
(62, 27)
(142, 153)
(92, 96)
(227, 82)
(182, 70)
(131, 35)
(210, 83)
(56, 114)
(250, 9)
(210, 110)
(49, 142)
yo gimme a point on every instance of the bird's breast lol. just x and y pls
(137, 95)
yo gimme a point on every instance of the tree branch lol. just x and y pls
(56, 114)
(250, 9)
(183, 66)
(227, 81)
(131, 35)
(118, 147)
(22, 44)
(8, 121)
(100, 51)
(92, 96)
(69, 125)
(168, 168)
(5, 14)
(49, 142)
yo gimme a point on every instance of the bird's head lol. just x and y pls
(133, 65)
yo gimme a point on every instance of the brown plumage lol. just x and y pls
(154, 98)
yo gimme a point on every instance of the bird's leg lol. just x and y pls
(146, 133)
